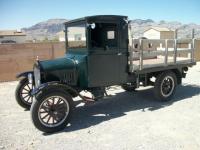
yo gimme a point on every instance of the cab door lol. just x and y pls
(104, 58)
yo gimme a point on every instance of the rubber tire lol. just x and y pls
(38, 101)
(157, 86)
(128, 88)
(18, 98)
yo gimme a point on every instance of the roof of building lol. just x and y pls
(11, 33)
(160, 29)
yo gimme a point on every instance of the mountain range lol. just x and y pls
(46, 29)
(50, 28)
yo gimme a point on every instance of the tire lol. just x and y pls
(22, 93)
(165, 86)
(60, 112)
(129, 87)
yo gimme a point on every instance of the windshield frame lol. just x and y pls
(73, 24)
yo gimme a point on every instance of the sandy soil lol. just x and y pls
(124, 121)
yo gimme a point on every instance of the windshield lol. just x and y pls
(76, 36)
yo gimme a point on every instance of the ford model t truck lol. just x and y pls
(100, 53)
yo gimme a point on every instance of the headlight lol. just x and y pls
(37, 76)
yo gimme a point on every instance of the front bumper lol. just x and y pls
(38, 89)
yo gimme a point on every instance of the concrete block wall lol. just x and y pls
(16, 58)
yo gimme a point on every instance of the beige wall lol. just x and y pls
(61, 36)
(16, 58)
(197, 50)
(17, 39)
(167, 35)
(152, 34)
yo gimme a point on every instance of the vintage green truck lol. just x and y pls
(100, 53)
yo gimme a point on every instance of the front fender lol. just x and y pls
(24, 74)
(57, 84)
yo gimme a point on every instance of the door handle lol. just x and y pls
(119, 54)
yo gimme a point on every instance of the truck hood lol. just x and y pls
(57, 64)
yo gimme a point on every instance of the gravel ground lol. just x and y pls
(124, 121)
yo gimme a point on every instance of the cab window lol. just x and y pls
(76, 36)
(104, 36)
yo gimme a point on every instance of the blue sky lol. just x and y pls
(15, 14)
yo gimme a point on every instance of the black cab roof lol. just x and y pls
(98, 18)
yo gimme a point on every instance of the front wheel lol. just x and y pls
(51, 111)
(165, 86)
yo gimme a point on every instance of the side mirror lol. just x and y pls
(126, 20)
(92, 25)
(127, 23)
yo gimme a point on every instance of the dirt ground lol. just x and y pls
(123, 121)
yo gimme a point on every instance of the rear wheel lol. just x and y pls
(23, 93)
(51, 111)
(165, 86)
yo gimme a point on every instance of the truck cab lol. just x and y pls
(102, 41)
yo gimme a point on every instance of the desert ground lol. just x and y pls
(124, 120)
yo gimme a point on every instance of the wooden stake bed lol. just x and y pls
(158, 62)
(145, 53)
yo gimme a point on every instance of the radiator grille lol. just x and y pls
(69, 77)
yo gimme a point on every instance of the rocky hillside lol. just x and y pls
(49, 29)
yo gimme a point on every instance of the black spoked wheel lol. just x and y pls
(165, 86)
(51, 111)
(23, 93)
